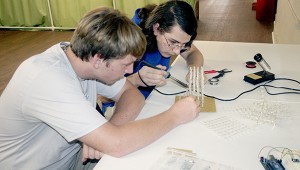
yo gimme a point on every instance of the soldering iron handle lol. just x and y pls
(150, 65)
(168, 74)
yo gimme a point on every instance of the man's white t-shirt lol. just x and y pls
(44, 109)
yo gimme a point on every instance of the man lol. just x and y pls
(47, 111)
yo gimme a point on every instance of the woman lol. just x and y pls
(170, 29)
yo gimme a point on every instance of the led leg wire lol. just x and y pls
(196, 83)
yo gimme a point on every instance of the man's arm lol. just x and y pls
(129, 104)
(120, 140)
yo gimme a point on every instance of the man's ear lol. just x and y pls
(155, 29)
(97, 60)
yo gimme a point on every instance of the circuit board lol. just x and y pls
(271, 163)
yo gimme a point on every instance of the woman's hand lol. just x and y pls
(150, 76)
(187, 77)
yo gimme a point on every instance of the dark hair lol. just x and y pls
(107, 32)
(167, 15)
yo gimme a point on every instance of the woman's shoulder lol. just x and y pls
(136, 19)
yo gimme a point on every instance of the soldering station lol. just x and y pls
(261, 76)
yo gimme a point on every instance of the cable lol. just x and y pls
(272, 148)
(282, 87)
(235, 97)
(265, 85)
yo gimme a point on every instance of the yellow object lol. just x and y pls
(209, 104)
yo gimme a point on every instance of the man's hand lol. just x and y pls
(186, 109)
(90, 153)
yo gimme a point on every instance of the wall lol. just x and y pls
(46, 14)
(60, 14)
(287, 22)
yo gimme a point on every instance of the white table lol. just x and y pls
(240, 151)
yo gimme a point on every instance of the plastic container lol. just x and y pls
(265, 10)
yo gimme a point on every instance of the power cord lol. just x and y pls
(265, 85)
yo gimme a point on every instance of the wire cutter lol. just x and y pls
(222, 72)
(215, 80)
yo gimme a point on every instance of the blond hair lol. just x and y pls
(107, 32)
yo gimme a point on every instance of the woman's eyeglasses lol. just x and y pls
(172, 45)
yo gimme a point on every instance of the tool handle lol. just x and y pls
(210, 71)
(168, 76)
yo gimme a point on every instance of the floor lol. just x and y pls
(231, 20)
(219, 20)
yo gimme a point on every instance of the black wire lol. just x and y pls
(282, 87)
(235, 97)
(265, 85)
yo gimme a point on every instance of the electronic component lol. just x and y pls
(196, 83)
(259, 77)
(272, 163)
